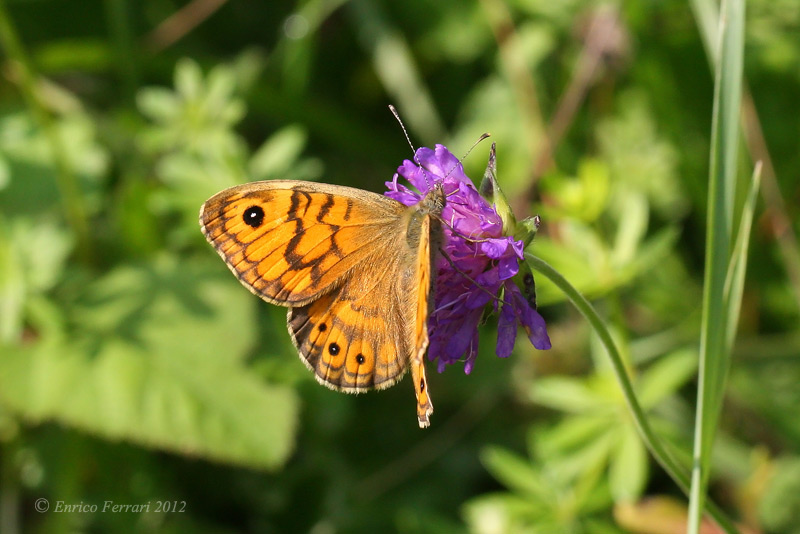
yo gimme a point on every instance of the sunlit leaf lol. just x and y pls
(160, 363)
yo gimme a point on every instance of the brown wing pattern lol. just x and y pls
(354, 337)
(290, 241)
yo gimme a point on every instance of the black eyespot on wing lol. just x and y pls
(333, 348)
(421, 385)
(360, 358)
(254, 216)
(323, 327)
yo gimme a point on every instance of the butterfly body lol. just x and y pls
(355, 268)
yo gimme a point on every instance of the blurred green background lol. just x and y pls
(135, 369)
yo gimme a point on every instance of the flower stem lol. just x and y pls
(677, 472)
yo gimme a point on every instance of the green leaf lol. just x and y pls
(569, 433)
(567, 394)
(221, 84)
(157, 359)
(33, 163)
(278, 153)
(650, 254)
(158, 104)
(514, 472)
(584, 198)
(628, 470)
(32, 259)
(587, 462)
(179, 404)
(630, 234)
(188, 79)
(507, 513)
(665, 376)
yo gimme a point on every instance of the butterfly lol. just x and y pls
(356, 270)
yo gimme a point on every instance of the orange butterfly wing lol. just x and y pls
(353, 337)
(354, 267)
(289, 241)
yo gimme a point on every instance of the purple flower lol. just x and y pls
(485, 262)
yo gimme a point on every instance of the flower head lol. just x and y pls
(479, 268)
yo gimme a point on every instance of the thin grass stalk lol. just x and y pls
(734, 285)
(706, 14)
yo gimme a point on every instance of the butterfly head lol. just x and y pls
(434, 201)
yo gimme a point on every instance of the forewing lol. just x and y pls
(289, 241)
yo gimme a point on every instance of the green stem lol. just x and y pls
(677, 472)
(74, 208)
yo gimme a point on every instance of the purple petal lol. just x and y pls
(518, 247)
(507, 268)
(532, 322)
(536, 328)
(506, 331)
(472, 352)
(407, 198)
(478, 299)
(494, 248)
(462, 338)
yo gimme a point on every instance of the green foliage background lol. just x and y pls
(134, 368)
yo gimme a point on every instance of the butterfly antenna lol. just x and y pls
(413, 150)
(476, 143)
(403, 127)
(460, 161)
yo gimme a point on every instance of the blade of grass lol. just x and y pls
(677, 472)
(734, 285)
(706, 15)
(714, 353)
